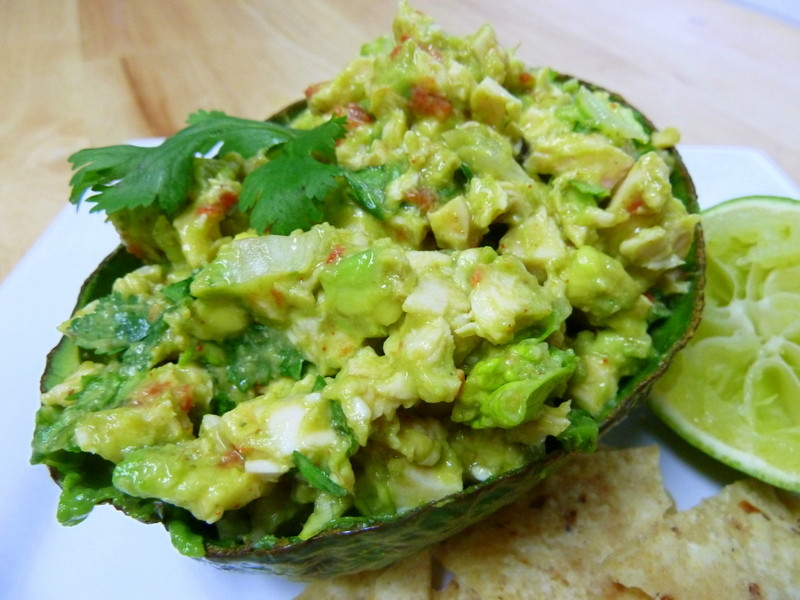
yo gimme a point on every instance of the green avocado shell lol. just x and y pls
(368, 543)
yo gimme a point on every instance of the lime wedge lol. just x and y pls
(734, 390)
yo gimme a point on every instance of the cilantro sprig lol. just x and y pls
(128, 176)
(284, 194)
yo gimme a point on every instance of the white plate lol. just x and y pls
(110, 555)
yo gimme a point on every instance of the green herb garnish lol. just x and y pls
(284, 194)
(287, 192)
(132, 176)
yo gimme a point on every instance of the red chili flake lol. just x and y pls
(477, 276)
(429, 103)
(434, 52)
(635, 205)
(155, 389)
(146, 394)
(335, 254)
(232, 458)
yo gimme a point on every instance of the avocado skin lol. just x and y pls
(374, 543)
(64, 357)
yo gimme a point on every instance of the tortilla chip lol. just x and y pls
(603, 527)
(453, 591)
(612, 592)
(347, 587)
(552, 543)
(742, 543)
(407, 579)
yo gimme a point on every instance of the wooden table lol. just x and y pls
(77, 73)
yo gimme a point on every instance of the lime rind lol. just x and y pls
(741, 460)
(734, 390)
(756, 199)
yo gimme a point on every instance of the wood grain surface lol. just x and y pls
(77, 73)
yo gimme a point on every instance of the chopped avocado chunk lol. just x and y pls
(197, 475)
(511, 386)
(598, 284)
(365, 291)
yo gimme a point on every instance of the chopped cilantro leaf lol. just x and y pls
(260, 355)
(592, 189)
(340, 424)
(316, 476)
(285, 194)
(178, 291)
(114, 324)
(369, 186)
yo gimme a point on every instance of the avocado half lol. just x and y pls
(361, 543)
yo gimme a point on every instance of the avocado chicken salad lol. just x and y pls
(440, 268)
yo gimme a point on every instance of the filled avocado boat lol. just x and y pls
(335, 337)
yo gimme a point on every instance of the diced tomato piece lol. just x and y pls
(356, 114)
(228, 199)
(399, 46)
(220, 207)
(277, 296)
(429, 103)
(424, 198)
(526, 79)
(133, 248)
(186, 400)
